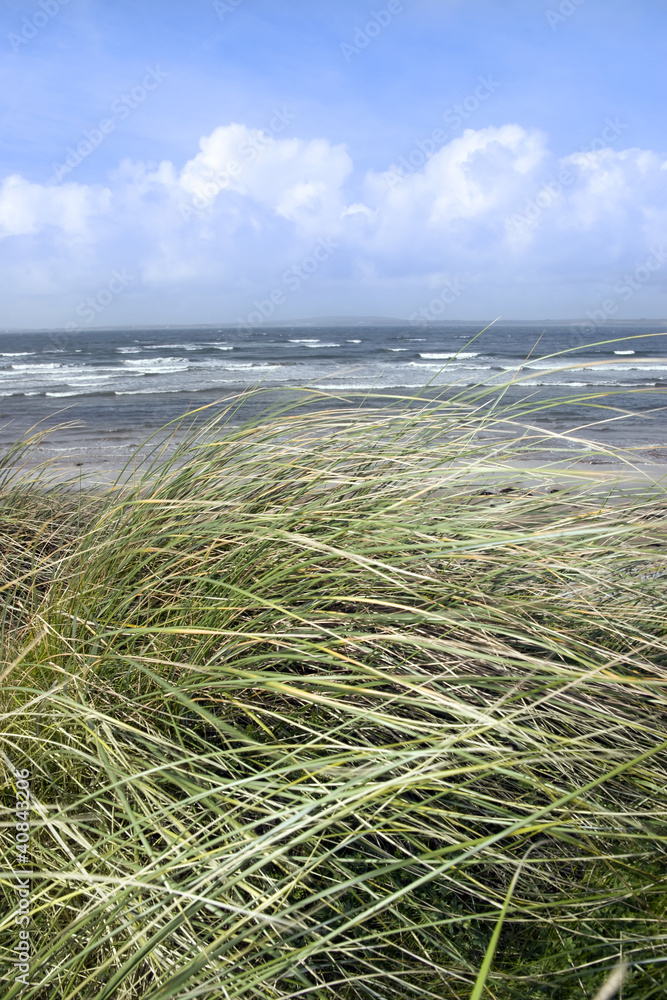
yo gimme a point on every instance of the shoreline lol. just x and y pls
(108, 445)
(106, 468)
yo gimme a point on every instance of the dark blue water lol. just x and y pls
(123, 383)
(122, 362)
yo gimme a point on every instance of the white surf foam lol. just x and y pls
(144, 392)
(460, 354)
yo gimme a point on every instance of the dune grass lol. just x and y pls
(307, 711)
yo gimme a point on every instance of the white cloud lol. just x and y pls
(297, 180)
(610, 184)
(27, 208)
(453, 204)
(246, 206)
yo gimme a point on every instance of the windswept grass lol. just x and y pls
(306, 711)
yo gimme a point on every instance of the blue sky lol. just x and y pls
(463, 157)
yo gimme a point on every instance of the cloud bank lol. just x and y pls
(492, 207)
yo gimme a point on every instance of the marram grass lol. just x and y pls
(306, 712)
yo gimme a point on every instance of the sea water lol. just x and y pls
(120, 384)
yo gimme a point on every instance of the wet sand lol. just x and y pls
(101, 446)
(123, 465)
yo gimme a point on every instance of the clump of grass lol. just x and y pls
(40, 525)
(307, 710)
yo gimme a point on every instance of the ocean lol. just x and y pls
(119, 385)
